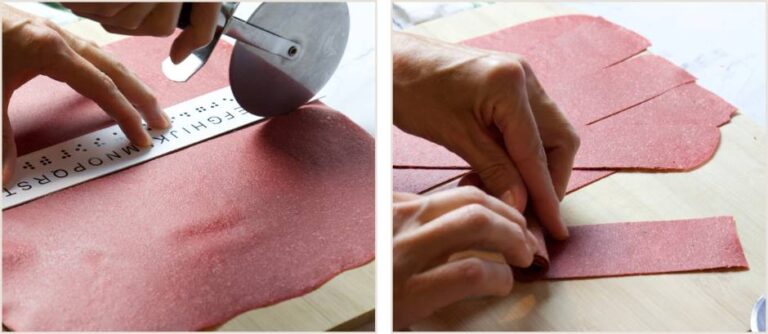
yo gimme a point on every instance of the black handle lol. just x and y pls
(185, 15)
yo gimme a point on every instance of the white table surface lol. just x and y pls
(722, 44)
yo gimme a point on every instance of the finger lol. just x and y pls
(490, 161)
(560, 139)
(404, 197)
(528, 155)
(69, 67)
(9, 148)
(100, 10)
(162, 20)
(469, 227)
(473, 180)
(134, 89)
(443, 202)
(203, 19)
(457, 281)
(125, 22)
(131, 17)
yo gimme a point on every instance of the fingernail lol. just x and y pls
(146, 139)
(508, 198)
(533, 241)
(166, 119)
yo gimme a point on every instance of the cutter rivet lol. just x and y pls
(292, 51)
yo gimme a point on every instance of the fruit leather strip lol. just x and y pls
(194, 238)
(686, 104)
(419, 180)
(595, 96)
(678, 147)
(640, 248)
(73, 115)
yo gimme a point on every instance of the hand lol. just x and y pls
(154, 19)
(32, 46)
(489, 109)
(428, 230)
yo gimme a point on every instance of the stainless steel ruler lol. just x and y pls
(107, 150)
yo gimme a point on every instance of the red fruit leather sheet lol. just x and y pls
(551, 41)
(548, 45)
(639, 248)
(677, 147)
(420, 180)
(685, 105)
(589, 98)
(191, 239)
(410, 151)
(73, 115)
(605, 93)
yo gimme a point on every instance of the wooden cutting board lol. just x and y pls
(344, 303)
(732, 183)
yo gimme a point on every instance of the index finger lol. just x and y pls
(560, 139)
(69, 67)
(531, 160)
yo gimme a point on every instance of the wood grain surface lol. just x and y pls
(732, 183)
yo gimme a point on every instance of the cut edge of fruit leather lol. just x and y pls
(261, 223)
(74, 115)
(601, 44)
(411, 151)
(686, 104)
(577, 103)
(675, 147)
(69, 263)
(595, 96)
(420, 180)
(640, 248)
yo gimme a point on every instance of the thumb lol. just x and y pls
(200, 32)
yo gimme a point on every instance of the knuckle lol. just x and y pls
(107, 84)
(495, 173)
(507, 70)
(473, 271)
(47, 41)
(573, 140)
(473, 194)
(118, 68)
(159, 28)
(476, 216)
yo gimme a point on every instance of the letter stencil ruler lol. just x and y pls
(108, 150)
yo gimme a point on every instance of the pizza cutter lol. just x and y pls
(283, 55)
